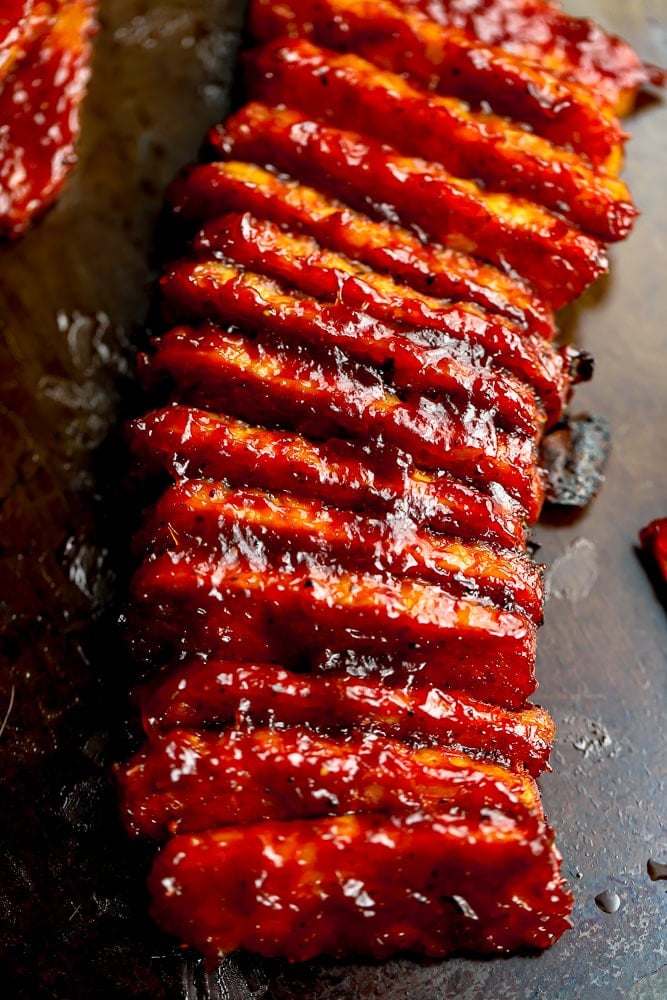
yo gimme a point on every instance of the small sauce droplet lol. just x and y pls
(656, 870)
(607, 901)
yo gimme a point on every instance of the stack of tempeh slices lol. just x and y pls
(357, 371)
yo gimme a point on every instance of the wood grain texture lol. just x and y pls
(71, 895)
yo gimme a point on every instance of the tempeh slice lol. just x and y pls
(465, 334)
(253, 379)
(186, 781)
(40, 115)
(206, 190)
(371, 885)
(265, 527)
(353, 94)
(449, 61)
(213, 692)
(185, 601)
(573, 47)
(185, 441)
(504, 230)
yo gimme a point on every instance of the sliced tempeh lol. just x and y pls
(206, 190)
(185, 441)
(556, 259)
(467, 335)
(264, 527)
(353, 94)
(218, 692)
(184, 781)
(573, 47)
(365, 885)
(186, 601)
(256, 379)
(353, 311)
(449, 61)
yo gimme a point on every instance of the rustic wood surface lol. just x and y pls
(72, 294)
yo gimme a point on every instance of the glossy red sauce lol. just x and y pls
(39, 111)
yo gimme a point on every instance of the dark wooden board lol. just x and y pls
(71, 900)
